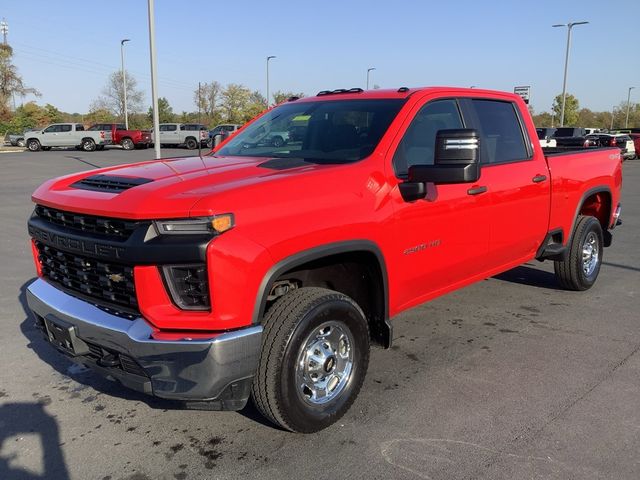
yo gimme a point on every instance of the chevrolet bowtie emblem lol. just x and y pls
(115, 277)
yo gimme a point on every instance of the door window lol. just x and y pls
(501, 134)
(52, 129)
(417, 146)
(65, 128)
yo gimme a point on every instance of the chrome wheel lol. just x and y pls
(590, 254)
(325, 363)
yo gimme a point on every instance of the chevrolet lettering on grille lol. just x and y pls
(83, 246)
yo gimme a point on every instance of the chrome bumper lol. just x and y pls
(219, 369)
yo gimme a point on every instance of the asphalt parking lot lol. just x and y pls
(510, 378)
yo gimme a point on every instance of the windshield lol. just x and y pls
(335, 131)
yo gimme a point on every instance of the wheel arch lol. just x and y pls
(595, 202)
(318, 267)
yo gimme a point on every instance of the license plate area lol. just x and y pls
(62, 335)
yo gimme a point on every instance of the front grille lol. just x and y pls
(108, 284)
(109, 183)
(88, 223)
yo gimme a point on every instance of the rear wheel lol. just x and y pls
(127, 144)
(88, 145)
(191, 143)
(315, 354)
(33, 145)
(278, 141)
(579, 270)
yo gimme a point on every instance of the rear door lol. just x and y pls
(517, 180)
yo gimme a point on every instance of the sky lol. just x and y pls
(66, 49)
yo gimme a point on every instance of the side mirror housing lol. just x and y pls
(456, 159)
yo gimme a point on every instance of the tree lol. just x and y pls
(570, 110)
(208, 98)
(280, 96)
(235, 99)
(99, 115)
(31, 115)
(11, 83)
(165, 111)
(112, 98)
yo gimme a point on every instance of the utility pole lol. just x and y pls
(4, 29)
(124, 82)
(268, 58)
(626, 122)
(566, 64)
(368, 71)
(154, 85)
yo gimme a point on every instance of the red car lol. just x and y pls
(636, 142)
(269, 270)
(129, 139)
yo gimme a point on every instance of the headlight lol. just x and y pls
(196, 226)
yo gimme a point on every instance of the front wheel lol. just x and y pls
(579, 270)
(33, 145)
(315, 354)
(127, 144)
(88, 145)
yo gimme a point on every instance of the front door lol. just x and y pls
(441, 241)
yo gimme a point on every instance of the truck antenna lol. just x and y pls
(199, 122)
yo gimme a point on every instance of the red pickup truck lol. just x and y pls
(129, 139)
(268, 271)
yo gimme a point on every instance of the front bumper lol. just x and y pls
(218, 370)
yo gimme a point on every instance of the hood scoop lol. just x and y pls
(109, 183)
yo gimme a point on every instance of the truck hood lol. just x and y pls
(167, 188)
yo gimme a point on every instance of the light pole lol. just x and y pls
(566, 64)
(626, 122)
(613, 112)
(268, 58)
(154, 84)
(369, 70)
(124, 82)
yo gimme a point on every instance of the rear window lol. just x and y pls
(566, 132)
(65, 128)
(500, 130)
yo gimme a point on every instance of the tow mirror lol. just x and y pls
(456, 160)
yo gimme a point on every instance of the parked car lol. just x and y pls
(275, 138)
(67, 135)
(636, 142)
(571, 137)
(545, 135)
(129, 139)
(187, 134)
(224, 131)
(17, 139)
(269, 272)
(621, 140)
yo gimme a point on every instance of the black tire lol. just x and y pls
(88, 145)
(575, 273)
(288, 325)
(33, 145)
(277, 141)
(127, 144)
(191, 143)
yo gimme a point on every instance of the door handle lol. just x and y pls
(476, 190)
(539, 178)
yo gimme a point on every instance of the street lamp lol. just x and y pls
(268, 58)
(124, 82)
(566, 64)
(368, 71)
(154, 83)
(626, 122)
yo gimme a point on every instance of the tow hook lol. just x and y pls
(109, 360)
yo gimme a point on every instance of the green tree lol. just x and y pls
(234, 101)
(570, 110)
(280, 96)
(165, 111)
(11, 83)
(99, 115)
